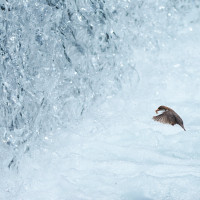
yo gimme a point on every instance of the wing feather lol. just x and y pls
(166, 118)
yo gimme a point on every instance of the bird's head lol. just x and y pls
(161, 108)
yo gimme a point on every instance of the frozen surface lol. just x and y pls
(79, 86)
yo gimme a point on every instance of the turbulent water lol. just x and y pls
(79, 83)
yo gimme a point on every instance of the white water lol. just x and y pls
(115, 151)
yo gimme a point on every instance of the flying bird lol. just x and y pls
(169, 116)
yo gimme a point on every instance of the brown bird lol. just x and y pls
(169, 116)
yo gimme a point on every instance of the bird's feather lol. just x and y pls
(166, 118)
(169, 116)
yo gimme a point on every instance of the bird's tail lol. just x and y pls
(183, 127)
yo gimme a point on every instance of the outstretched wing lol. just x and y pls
(167, 118)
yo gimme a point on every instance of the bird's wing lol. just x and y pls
(167, 118)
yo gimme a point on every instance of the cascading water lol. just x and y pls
(57, 58)
(79, 81)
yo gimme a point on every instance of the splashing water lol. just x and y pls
(79, 83)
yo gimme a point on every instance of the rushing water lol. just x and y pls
(80, 81)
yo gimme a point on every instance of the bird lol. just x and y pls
(169, 116)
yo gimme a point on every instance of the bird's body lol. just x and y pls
(169, 116)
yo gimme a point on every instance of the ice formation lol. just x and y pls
(79, 83)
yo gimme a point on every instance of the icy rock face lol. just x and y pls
(61, 60)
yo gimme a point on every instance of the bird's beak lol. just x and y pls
(157, 111)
